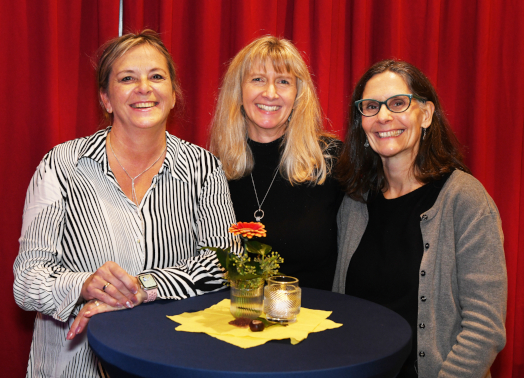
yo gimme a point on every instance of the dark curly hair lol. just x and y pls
(360, 169)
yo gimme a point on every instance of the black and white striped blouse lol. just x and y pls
(76, 218)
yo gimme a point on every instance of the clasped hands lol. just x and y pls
(110, 288)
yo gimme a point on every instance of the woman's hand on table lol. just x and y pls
(94, 307)
(113, 286)
(90, 308)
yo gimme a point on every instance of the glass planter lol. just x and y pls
(247, 298)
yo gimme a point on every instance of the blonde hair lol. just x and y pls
(305, 151)
(113, 49)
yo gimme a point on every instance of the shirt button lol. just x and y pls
(426, 245)
(423, 298)
(421, 354)
(423, 273)
(422, 325)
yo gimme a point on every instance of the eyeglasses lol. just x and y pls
(395, 104)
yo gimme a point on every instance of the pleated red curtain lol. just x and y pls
(469, 49)
(48, 96)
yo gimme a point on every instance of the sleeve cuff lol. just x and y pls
(66, 291)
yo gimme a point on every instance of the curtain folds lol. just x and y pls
(470, 50)
(48, 96)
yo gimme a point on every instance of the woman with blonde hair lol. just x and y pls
(268, 133)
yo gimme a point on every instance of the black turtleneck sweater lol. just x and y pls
(300, 220)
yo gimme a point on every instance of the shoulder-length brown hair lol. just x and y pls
(304, 151)
(360, 169)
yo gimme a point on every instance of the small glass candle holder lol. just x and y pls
(282, 299)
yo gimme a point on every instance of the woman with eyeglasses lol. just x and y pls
(417, 233)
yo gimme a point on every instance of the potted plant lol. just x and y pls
(246, 273)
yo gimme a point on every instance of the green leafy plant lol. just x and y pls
(258, 262)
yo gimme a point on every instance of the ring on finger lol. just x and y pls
(106, 286)
(97, 304)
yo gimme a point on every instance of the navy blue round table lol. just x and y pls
(142, 342)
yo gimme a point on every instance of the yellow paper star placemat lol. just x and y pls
(215, 322)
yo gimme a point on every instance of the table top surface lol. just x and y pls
(373, 342)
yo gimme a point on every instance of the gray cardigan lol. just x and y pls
(462, 282)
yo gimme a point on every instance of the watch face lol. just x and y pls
(147, 281)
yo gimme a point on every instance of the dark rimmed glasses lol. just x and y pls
(395, 104)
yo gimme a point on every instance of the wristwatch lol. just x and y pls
(148, 283)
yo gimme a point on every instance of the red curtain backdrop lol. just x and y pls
(49, 94)
(471, 50)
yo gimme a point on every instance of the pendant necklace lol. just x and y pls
(133, 193)
(259, 214)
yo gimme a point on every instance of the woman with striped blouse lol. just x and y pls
(109, 217)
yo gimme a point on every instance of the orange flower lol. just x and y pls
(248, 229)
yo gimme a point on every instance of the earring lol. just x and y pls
(290, 114)
(104, 106)
(366, 143)
(423, 133)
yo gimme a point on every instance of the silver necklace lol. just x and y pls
(133, 193)
(259, 214)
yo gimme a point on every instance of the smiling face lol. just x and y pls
(140, 93)
(395, 136)
(268, 98)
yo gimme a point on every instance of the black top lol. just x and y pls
(385, 266)
(300, 220)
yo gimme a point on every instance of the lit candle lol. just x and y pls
(282, 299)
(281, 304)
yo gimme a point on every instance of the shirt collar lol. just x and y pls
(175, 161)
(95, 147)
(176, 158)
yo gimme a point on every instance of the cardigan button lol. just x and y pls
(426, 245)
(422, 325)
(424, 217)
(421, 354)
(423, 298)
(423, 273)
